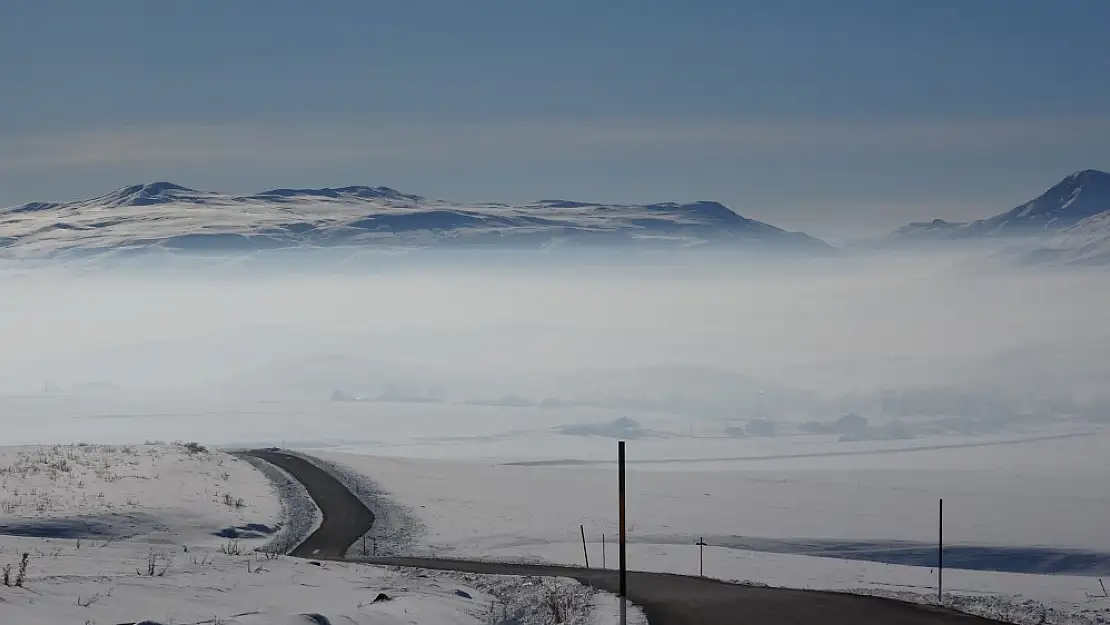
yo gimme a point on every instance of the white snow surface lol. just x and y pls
(126, 533)
(893, 498)
(156, 494)
(162, 216)
(104, 585)
(1049, 493)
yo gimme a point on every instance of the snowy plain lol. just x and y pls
(500, 483)
(1048, 494)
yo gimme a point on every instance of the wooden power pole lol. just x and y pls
(623, 533)
(940, 551)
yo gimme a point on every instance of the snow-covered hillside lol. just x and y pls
(161, 216)
(156, 494)
(1085, 243)
(1075, 198)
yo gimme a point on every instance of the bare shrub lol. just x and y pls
(232, 547)
(534, 600)
(21, 574)
(194, 448)
(157, 563)
(85, 602)
(559, 603)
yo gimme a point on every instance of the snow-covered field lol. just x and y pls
(1029, 502)
(91, 515)
(540, 502)
(179, 534)
(1048, 494)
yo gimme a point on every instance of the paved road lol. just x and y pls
(345, 517)
(666, 599)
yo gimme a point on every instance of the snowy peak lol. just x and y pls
(1087, 176)
(149, 194)
(1079, 196)
(1073, 199)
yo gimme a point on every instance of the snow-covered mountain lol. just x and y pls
(162, 216)
(1080, 196)
(1085, 243)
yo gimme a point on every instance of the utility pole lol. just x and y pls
(585, 552)
(623, 536)
(701, 557)
(603, 551)
(940, 551)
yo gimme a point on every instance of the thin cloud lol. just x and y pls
(336, 142)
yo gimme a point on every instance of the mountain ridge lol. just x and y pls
(165, 216)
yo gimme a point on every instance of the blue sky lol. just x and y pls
(837, 118)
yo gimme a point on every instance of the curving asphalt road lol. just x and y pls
(346, 519)
(666, 599)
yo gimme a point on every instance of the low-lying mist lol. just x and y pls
(715, 339)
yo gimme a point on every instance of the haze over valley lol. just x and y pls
(340, 313)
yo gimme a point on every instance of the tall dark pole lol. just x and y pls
(585, 552)
(940, 550)
(620, 489)
(701, 557)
